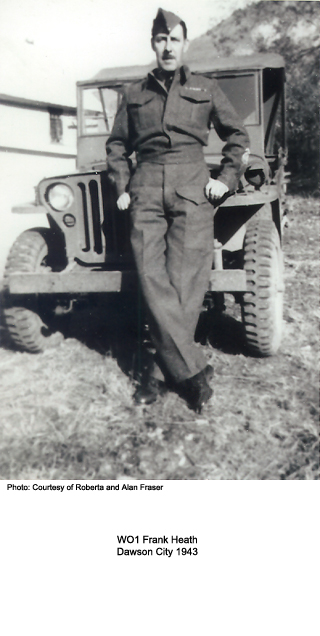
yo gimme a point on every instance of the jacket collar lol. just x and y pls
(184, 74)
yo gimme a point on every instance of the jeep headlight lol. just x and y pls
(60, 196)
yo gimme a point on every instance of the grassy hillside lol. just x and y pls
(293, 30)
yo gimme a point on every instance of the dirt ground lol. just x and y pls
(68, 413)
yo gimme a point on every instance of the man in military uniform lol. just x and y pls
(165, 119)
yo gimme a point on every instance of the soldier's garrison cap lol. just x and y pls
(165, 21)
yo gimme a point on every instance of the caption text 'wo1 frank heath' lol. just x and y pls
(166, 545)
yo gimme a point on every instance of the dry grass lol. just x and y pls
(68, 413)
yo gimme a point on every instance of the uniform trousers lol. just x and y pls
(172, 241)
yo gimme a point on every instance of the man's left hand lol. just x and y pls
(215, 190)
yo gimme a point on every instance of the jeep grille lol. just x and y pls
(101, 234)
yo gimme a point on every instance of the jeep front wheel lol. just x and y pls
(27, 318)
(262, 304)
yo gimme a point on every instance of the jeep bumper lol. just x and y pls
(232, 280)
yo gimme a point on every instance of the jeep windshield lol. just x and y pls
(101, 104)
(99, 110)
(253, 85)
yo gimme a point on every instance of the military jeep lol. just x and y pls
(86, 249)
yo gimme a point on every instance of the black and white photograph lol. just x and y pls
(159, 288)
(159, 244)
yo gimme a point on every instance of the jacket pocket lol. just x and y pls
(142, 110)
(195, 106)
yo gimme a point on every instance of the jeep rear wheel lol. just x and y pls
(262, 305)
(27, 318)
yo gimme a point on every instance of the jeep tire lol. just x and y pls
(262, 304)
(26, 317)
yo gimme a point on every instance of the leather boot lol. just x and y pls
(148, 392)
(196, 390)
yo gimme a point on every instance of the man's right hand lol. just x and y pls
(123, 201)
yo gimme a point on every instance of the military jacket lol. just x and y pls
(172, 127)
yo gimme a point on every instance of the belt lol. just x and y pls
(188, 154)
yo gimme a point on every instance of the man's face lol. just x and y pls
(170, 48)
